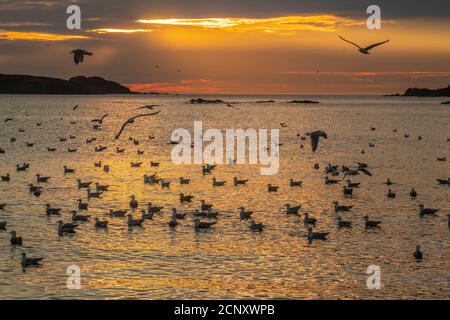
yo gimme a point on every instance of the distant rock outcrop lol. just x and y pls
(25, 84)
(415, 92)
(303, 101)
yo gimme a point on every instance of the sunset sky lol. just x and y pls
(233, 46)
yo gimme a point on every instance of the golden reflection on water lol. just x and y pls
(228, 261)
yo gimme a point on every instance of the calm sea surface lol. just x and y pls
(228, 261)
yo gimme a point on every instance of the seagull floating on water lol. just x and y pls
(15, 240)
(66, 227)
(206, 214)
(40, 179)
(443, 181)
(293, 183)
(6, 178)
(146, 216)
(351, 184)
(178, 215)
(203, 225)
(308, 220)
(100, 224)
(316, 235)
(27, 262)
(292, 210)
(184, 181)
(238, 182)
(245, 214)
(185, 198)
(339, 208)
(153, 209)
(52, 211)
(371, 223)
(343, 223)
(258, 227)
(133, 202)
(216, 183)
(330, 181)
(100, 187)
(68, 170)
(205, 206)
(134, 222)
(418, 254)
(391, 194)
(93, 194)
(117, 213)
(84, 185)
(426, 211)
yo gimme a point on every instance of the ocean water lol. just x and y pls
(228, 261)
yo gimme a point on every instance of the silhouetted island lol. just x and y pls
(25, 84)
(415, 92)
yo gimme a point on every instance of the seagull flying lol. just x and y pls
(315, 138)
(149, 107)
(78, 55)
(355, 172)
(367, 49)
(131, 120)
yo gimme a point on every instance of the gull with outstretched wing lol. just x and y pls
(366, 49)
(100, 121)
(149, 107)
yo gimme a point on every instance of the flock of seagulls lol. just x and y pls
(204, 217)
(365, 50)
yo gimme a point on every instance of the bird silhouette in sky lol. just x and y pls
(366, 49)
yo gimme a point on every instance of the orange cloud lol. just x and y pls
(36, 36)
